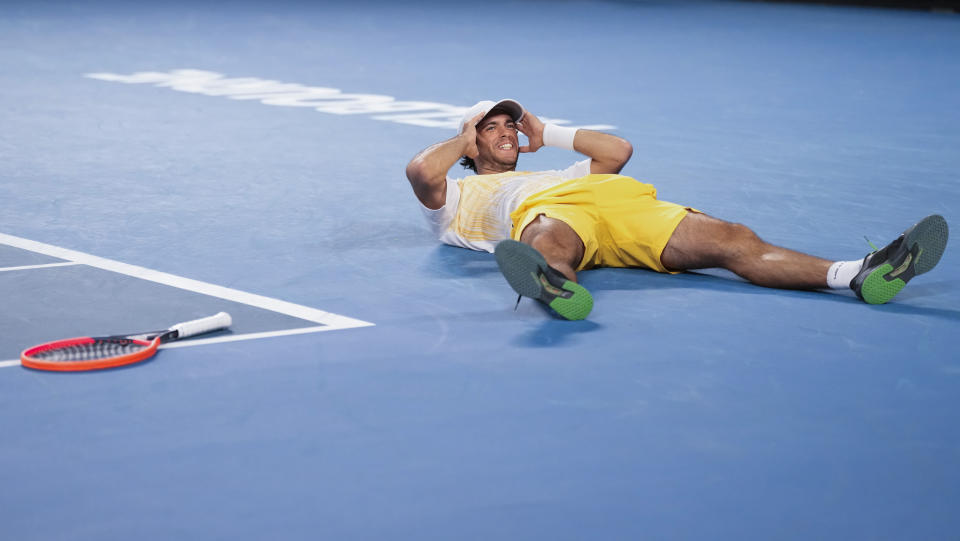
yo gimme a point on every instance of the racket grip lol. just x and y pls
(202, 325)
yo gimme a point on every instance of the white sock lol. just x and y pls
(842, 272)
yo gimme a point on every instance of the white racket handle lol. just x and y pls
(202, 325)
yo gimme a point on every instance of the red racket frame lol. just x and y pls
(78, 366)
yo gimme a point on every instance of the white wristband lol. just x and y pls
(558, 136)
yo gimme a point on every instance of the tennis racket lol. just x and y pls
(95, 353)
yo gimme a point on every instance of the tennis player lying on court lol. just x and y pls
(543, 226)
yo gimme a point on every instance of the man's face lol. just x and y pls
(497, 143)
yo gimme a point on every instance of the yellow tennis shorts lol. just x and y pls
(619, 220)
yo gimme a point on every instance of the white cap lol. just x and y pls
(510, 107)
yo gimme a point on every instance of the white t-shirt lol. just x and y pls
(476, 213)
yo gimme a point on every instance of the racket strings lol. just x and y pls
(98, 349)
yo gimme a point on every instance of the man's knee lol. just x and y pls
(741, 245)
(741, 235)
(555, 240)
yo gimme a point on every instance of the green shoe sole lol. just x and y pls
(877, 290)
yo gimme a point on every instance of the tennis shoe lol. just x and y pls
(529, 275)
(886, 271)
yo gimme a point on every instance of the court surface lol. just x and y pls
(161, 163)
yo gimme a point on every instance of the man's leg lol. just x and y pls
(557, 242)
(701, 241)
(543, 265)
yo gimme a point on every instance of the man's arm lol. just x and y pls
(608, 153)
(427, 171)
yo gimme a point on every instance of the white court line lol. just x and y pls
(329, 320)
(43, 266)
(248, 336)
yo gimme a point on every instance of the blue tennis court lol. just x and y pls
(164, 162)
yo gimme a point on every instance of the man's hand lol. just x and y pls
(531, 126)
(469, 134)
(427, 171)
